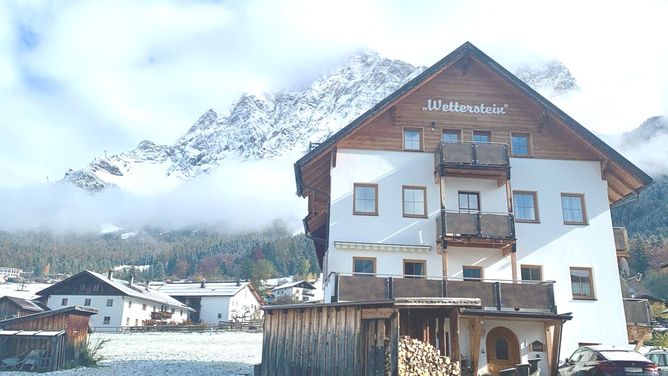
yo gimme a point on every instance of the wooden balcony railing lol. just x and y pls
(498, 295)
(475, 229)
(161, 315)
(466, 158)
(637, 312)
(621, 240)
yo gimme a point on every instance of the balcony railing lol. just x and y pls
(161, 315)
(621, 239)
(472, 156)
(494, 294)
(637, 312)
(480, 225)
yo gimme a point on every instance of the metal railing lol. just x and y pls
(471, 154)
(496, 294)
(475, 224)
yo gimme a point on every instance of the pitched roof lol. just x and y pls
(79, 310)
(462, 51)
(302, 284)
(124, 287)
(209, 289)
(25, 304)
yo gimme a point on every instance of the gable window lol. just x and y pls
(582, 283)
(130, 304)
(482, 136)
(365, 198)
(532, 273)
(127, 321)
(63, 301)
(413, 139)
(143, 307)
(573, 209)
(96, 288)
(82, 287)
(220, 315)
(110, 302)
(469, 201)
(472, 273)
(364, 265)
(87, 302)
(415, 201)
(414, 268)
(451, 136)
(526, 208)
(520, 144)
(107, 320)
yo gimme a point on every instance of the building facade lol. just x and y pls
(467, 183)
(299, 291)
(217, 302)
(10, 272)
(119, 303)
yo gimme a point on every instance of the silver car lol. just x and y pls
(660, 358)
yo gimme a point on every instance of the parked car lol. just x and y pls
(660, 358)
(601, 360)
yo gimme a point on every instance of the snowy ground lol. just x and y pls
(217, 353)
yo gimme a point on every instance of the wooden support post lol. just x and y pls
(454, 334)
(441, 335)
(444, 258)
(474, 344)
(513, 264)
(552, 343)
(509, 196)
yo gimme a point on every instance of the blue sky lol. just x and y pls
(81, 77)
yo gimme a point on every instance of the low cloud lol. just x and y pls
(239, 196)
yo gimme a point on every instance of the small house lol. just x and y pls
(299, 291)
(11, 307)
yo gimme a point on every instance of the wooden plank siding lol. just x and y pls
(326, 340)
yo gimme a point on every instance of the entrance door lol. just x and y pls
(503, 350)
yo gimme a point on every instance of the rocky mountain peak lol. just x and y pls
(552, 76)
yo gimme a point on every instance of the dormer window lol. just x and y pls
(413, 139)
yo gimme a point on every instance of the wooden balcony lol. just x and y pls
(161, 315)
(467, 159)
(495, 295)
(621, 241)
(477, 229)
(638, 319)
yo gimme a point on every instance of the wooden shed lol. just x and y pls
(356, 338)
(27, 333)
(11, 307)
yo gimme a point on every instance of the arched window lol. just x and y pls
(501, 349)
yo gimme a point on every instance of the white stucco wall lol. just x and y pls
(211, 306)
(551, 243)
(244, 301)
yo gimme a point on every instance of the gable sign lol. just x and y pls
(482, 108)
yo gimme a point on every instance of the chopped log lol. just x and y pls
(417, 358)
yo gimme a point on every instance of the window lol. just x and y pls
(107, 320)
(413, 139)
(64, 301)
(532, 272)
(526, 208)
(469, 201)
(220, 315)
(173, 310)
(129, 303)
(110, 302)
(96, 288)
(573, 209)
(415, 201)
(136, 322)
(451, 136)
(181, 312)
(143, 307)
(364, 265)
(581, 283)
(520, 144)
(365, 197)
(472, 273)
(87, 302)
(82, 287)
(127, 321)
(482, 136)
(414, 268)
(501, 349)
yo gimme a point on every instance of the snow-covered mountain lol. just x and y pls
(646, 145)
(267, 125)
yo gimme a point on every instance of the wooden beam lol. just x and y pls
(444, 260)
(552, 343)
(513, 264)
(474, 343)
(454, 334)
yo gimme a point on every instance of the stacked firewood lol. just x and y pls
(417, 358)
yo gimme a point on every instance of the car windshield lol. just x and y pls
(623, 355)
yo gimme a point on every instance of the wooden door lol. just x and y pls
(503, 349)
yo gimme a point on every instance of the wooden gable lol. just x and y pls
(81, 284)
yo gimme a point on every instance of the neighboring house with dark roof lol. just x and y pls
(120, 303)
(11, 307)
(300, 290)
(216, 302)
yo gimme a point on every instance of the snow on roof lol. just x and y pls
(209, 289)
(24, 303)
(306, 285)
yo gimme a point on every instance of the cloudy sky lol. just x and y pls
(81, 77)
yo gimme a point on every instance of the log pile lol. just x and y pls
(417, 358)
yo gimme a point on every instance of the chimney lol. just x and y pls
(147, 284)
(110, 274)
(202, 284)
(132, 279)
(238, 282)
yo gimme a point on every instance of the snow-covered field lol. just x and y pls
(170, 354)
